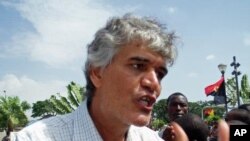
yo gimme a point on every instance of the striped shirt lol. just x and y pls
(76, 126)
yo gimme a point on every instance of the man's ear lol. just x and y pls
(96, 76)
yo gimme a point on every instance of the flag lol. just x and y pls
(220, 95)
(208, 111)
(213, 88)
(218, 91)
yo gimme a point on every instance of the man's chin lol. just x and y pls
(178, 116)
(141, 124)
(142, 121)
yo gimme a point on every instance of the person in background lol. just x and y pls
(245, 107)
(126, 63)
(195, 128)
(177, 106)
(214, 132)
(223, 131)
(238, 115)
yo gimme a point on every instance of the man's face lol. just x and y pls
(129, 85)
(177, 107)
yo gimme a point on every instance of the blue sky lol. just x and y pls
(43, 42)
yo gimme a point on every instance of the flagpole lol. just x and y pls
(222, 69)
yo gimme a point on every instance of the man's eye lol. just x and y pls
(139, 66)
(160, 75)
(184, 105)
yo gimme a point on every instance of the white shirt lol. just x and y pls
(76, 126)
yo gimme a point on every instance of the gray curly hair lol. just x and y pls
(121, 31)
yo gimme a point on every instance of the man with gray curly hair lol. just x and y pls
(126, 63)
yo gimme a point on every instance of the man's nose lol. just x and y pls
(178, 106)
(151, 81)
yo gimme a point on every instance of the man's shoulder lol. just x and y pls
(45, 128)
(55, 121)
(61, 127)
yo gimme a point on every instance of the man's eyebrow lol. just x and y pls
(145, 60)
(139, 59)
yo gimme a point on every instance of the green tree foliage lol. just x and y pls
(58, 104)
(42, 109)
(231, 91)
(196, 107)
(12, 112)
(157, 124)
(159, 110)
(76, 94)
(212, 113)
(244, 90)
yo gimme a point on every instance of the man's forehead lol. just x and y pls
(179, 102)
(178, 99)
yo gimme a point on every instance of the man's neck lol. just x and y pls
(110, 129)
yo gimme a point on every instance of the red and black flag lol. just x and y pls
(218, 91)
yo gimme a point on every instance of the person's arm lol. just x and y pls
(168, 133)
(174, 133)
(223, 131)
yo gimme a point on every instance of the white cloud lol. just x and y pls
(210, 57)
(31, 90)
(171, 10)
(62, 29)
(246, 41)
